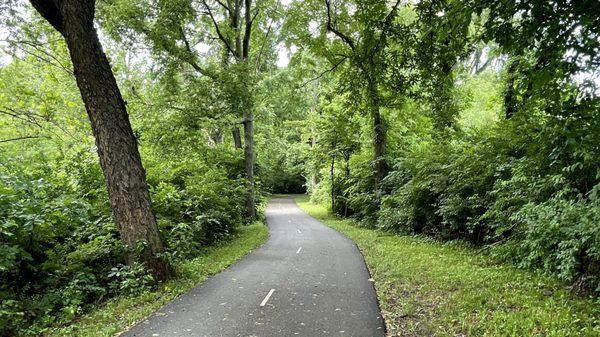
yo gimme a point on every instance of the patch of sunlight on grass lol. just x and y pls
(447, 289)
(119, 313)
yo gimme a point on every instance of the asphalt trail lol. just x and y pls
(307, 280)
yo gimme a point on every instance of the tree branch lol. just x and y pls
(18, 138)
(334, 30)
(262, 47)
(49, 10)
(333, 68)
(479, 69)
(219, 34)
(248, 31)
(28, 117)
(192, 60)
(224, 6)
(386, 25)
(44, 55)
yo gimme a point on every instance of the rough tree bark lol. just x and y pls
(117, 146)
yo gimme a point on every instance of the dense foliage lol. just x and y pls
(60, 251)
(491, 115)
(471, 120)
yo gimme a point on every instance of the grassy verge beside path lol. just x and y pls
(121, 312)
(427, 288)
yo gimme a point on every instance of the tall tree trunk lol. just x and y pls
(445, 110)
(249, 162)
(117, 146)
(240, 49)
(237, 137)
(380, 166)
(234, 24)
(248, 110)
(248, 113)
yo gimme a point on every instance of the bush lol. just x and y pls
(498, 188)
(56, 246)
(559, 236)
(196, 207)
(59, 250)
(130, 279)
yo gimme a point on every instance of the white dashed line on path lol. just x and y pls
(262, 304)
(298, 251)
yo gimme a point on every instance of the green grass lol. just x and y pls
(119, 313)
(428, 288)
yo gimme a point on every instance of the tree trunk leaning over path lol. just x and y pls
(117, 146)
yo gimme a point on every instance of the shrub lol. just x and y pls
(498, 188)
(59, 250)
(559, 236)
(130, 279)
(56, 247)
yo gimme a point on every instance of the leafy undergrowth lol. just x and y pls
(427, 288)
(120, 313)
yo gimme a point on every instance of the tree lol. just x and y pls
(237, 45)
(441, 38)
(175, 28)
(368, 55)
(116, 143)
(354, 38)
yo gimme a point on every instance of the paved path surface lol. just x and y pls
(307, 280)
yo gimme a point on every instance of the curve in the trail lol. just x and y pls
(307, 280)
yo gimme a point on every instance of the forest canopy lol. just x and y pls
(135, 133)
